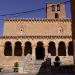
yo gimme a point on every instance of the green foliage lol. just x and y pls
(16, 65)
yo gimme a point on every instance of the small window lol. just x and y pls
(21, 30)
(60, 30)
(58, 7)
(56, 15)
(53, 7)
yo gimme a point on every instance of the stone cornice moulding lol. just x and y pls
(36, 20)
(55, 2)
(35, 37)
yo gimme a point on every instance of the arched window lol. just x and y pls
(53, 7)
(40, 51)
(70, 49)
(18, 49)
(62, 49)
(28, 48)
(8, 49)
(52, 48)
(56, 15)
(58, 7)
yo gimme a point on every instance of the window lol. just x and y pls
(60, 29)
(52, 48)
(53, 7)
(70, 49)
(8, 49)
(58, 7)
(56, 15)
(21, 30)
(28, 48)
(18, 49)
(62, 49)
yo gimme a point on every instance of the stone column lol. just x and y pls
(1, 50)
(23, 50)
(13, 47)
(66, 44)
(56, 49)
(34, 52)
(46, 50)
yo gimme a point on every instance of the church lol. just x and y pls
(38, 37)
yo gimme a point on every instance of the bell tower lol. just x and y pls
(55, 10)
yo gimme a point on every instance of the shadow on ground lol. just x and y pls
(59, 70)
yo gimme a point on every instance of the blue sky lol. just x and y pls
(15, 6)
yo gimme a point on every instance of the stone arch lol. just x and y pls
(70, 49)
(7, 48)
(40, 51)
(52, 48)
(18, 49)
(62, 49)
(28, 48)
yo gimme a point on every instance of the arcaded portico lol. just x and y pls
(38, 47)
(60, 48)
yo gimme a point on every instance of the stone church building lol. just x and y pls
(39, 37)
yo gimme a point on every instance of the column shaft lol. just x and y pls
(1, 50)
(22, 50)
(66, 49)
(13, 50)
(46, 50)
(33, 53)
(56, 49)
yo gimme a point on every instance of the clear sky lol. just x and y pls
(16, 6)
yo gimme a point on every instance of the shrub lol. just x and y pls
(16, 65)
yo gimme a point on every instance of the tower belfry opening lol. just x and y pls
(55, 10)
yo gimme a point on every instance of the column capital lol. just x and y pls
(66, 43)
(34, 46)
(57, 44)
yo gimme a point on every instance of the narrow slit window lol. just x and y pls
(58, 7)
(53, 7)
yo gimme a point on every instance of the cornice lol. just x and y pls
(37, 20)
(35, 37)
(55, 2)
